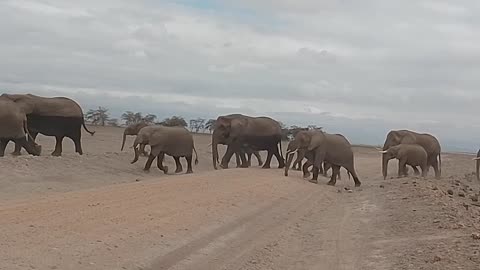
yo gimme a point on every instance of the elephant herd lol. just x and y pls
(24, 116)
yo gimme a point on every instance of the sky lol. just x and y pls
(360, 68)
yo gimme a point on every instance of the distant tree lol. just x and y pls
(113, 122)
(210, 125)
(174, 121)
(314, 127)
(150, 118)
(197, 124)
(132, 118)
(98, 117)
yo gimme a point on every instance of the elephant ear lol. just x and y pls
(237, 126)
(408, 138)
(316, 140)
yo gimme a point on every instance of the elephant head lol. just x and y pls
(387, 155)
(396, 137)
(306, 141)
(132, 130)
(224, 134)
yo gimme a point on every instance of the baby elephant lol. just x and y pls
(407, 154)
(173, 141)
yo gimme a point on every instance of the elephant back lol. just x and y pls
(175, 141)
(44, 106)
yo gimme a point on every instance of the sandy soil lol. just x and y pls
(97, 211)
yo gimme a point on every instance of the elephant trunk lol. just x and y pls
(137, 153)
(289, 157)
(215, 152)
(123, 141)
(384, 166)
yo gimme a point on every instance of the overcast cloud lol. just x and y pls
(356, 67)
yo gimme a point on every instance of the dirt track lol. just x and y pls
(99, 212)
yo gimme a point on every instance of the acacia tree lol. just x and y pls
(149, 118)
(197, 124)
(174, 121)
(98, 117)
(132, 118)
(210, 125)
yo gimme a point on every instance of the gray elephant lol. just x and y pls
(477, 163)
(427, 141)
(237, 130)
(58, 116)
(407, 154)
(133, 130)
(173, 141)
(323, 170)
(320, 146)
(13, 122)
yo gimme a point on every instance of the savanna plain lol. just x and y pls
(98, 211)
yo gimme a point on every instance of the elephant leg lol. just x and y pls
(149, 162)
(160, 166)
(266, 165)
(323, 169)
(228, 155)
(259, 158)
(178, 164)
(237, 158)
(58, 146)
(189, 164)
(434, 164)
(77, 141)
(415, 170)
(249, 159)
(281, 161)
(244, 160)
(142, 150)
(333, 178)
(351, 169)
(305, 167)
(402, 166)
(319, 157)
(3, 145)
(18, 150)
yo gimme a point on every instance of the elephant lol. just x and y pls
(14, 128)
(245, 150)
(427, 141)
(477, 163)
(297, 164)
(407, 154)
(58, 116)
(174, 141)
(237, 130)
(133, 130)
(335, 149)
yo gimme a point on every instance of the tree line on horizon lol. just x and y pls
(101, 117)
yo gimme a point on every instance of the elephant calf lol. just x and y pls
(407, 154)
(173, 141)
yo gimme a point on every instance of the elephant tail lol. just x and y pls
(196, 155)
(86, 129)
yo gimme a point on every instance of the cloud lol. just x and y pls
(388, 64)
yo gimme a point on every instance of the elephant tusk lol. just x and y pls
(477, 158)
(383, 152)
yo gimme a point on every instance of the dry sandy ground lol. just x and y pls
(97, 211)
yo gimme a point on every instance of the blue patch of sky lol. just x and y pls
(237, 13)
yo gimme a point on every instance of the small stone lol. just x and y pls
(436, 221)
(137, 180)
(474, 198)
(382, 186)
(350, 191)
(466, 205)
(476, 236)
(450, 192)
(437, 258)
(434, 188)
(461, 194)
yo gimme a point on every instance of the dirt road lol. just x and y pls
(99, 212)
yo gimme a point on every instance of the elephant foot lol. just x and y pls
(266, 166)
(16, 154)
(260, 164)
(357, 184)
(223, 166)
(165, 169)
(56, 154)
(306, 175)
(189, 171)
(244, 166)
(313, 181)
(178, 170)
(331, 183)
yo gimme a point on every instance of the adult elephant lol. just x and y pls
(13, 123)
(320, 147)
(258, 133)
(58, 116)
(427, 141)
(132, 130)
